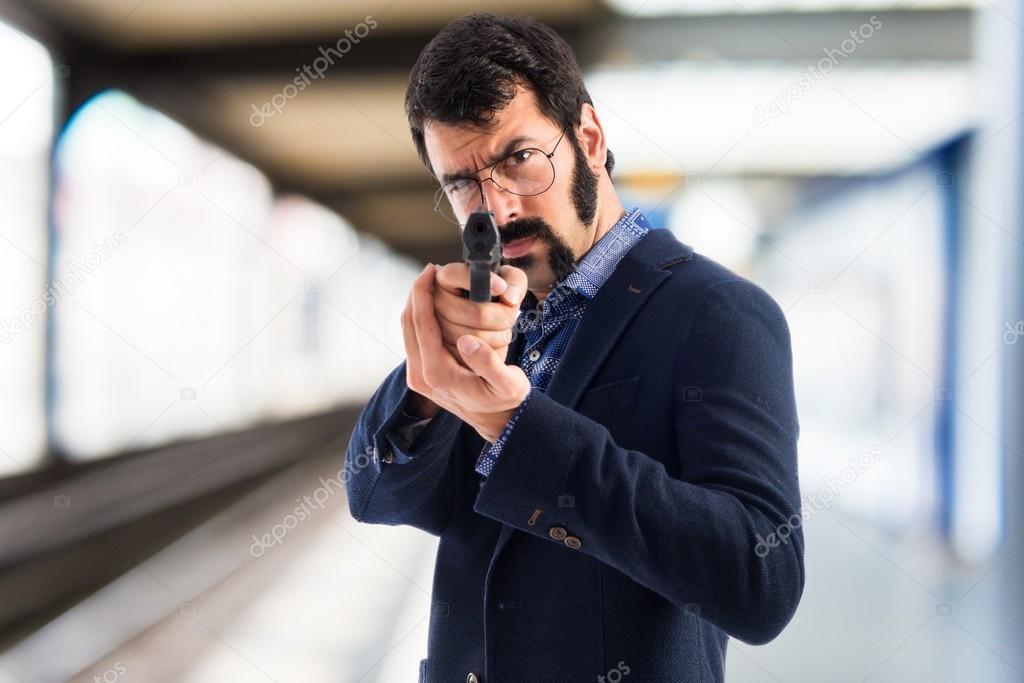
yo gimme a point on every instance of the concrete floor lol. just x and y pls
(340, 601)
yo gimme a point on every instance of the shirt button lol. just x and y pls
(557, 532)
(573, 542)
(534, 355)
(388, 456)
(471, 678)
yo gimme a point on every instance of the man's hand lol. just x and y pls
(482, 391)
(492, 322)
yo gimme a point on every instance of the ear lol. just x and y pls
(591, 137)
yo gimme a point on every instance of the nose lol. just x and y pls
(505, 205)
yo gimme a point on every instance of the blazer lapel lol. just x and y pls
(641, 271)
(637, 276)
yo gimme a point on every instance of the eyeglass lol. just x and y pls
(525, 172)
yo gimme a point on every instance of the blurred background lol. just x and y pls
(202, 267)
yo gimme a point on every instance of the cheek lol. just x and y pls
(553, 205)
(537, 205)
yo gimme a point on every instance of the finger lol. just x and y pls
(455, 279)
(438, 366)
(458, 310)
(414, 374)
(453, 349)
(517, 285)
(496, 339)
(502, 383)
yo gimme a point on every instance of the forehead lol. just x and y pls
(457, 149)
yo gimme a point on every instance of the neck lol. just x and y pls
(606, 217)
(609, 210)
(608, 214)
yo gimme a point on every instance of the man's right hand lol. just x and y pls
(456, 315)
(491, 321)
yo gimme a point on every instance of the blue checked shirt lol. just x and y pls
(549, 326)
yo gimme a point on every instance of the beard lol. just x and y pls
(584, 186)
(561, 259)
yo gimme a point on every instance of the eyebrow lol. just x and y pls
(510, 146)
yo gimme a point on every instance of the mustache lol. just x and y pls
(524, 227)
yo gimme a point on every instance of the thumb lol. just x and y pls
(482, 359)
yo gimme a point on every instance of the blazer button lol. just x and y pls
(471, 678)
(557, 532)
(573, 542)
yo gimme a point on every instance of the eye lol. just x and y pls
(459, 187)
(518, 158)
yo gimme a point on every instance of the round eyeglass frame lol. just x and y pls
(441, 196)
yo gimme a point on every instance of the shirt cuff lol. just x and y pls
(490, 452)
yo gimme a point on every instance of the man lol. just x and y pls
(602, 470)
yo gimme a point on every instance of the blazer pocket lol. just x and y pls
(612, 402)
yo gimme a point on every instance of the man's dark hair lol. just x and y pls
(474, 66)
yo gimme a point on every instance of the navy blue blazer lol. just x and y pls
(621, 534)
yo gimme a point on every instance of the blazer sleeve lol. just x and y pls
(407, 428)
(387, 479)
(692, 539)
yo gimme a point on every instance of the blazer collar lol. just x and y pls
(640, 272)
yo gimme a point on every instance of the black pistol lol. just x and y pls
(481, 249)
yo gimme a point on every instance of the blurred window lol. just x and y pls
(26, 115)
(201, 302)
